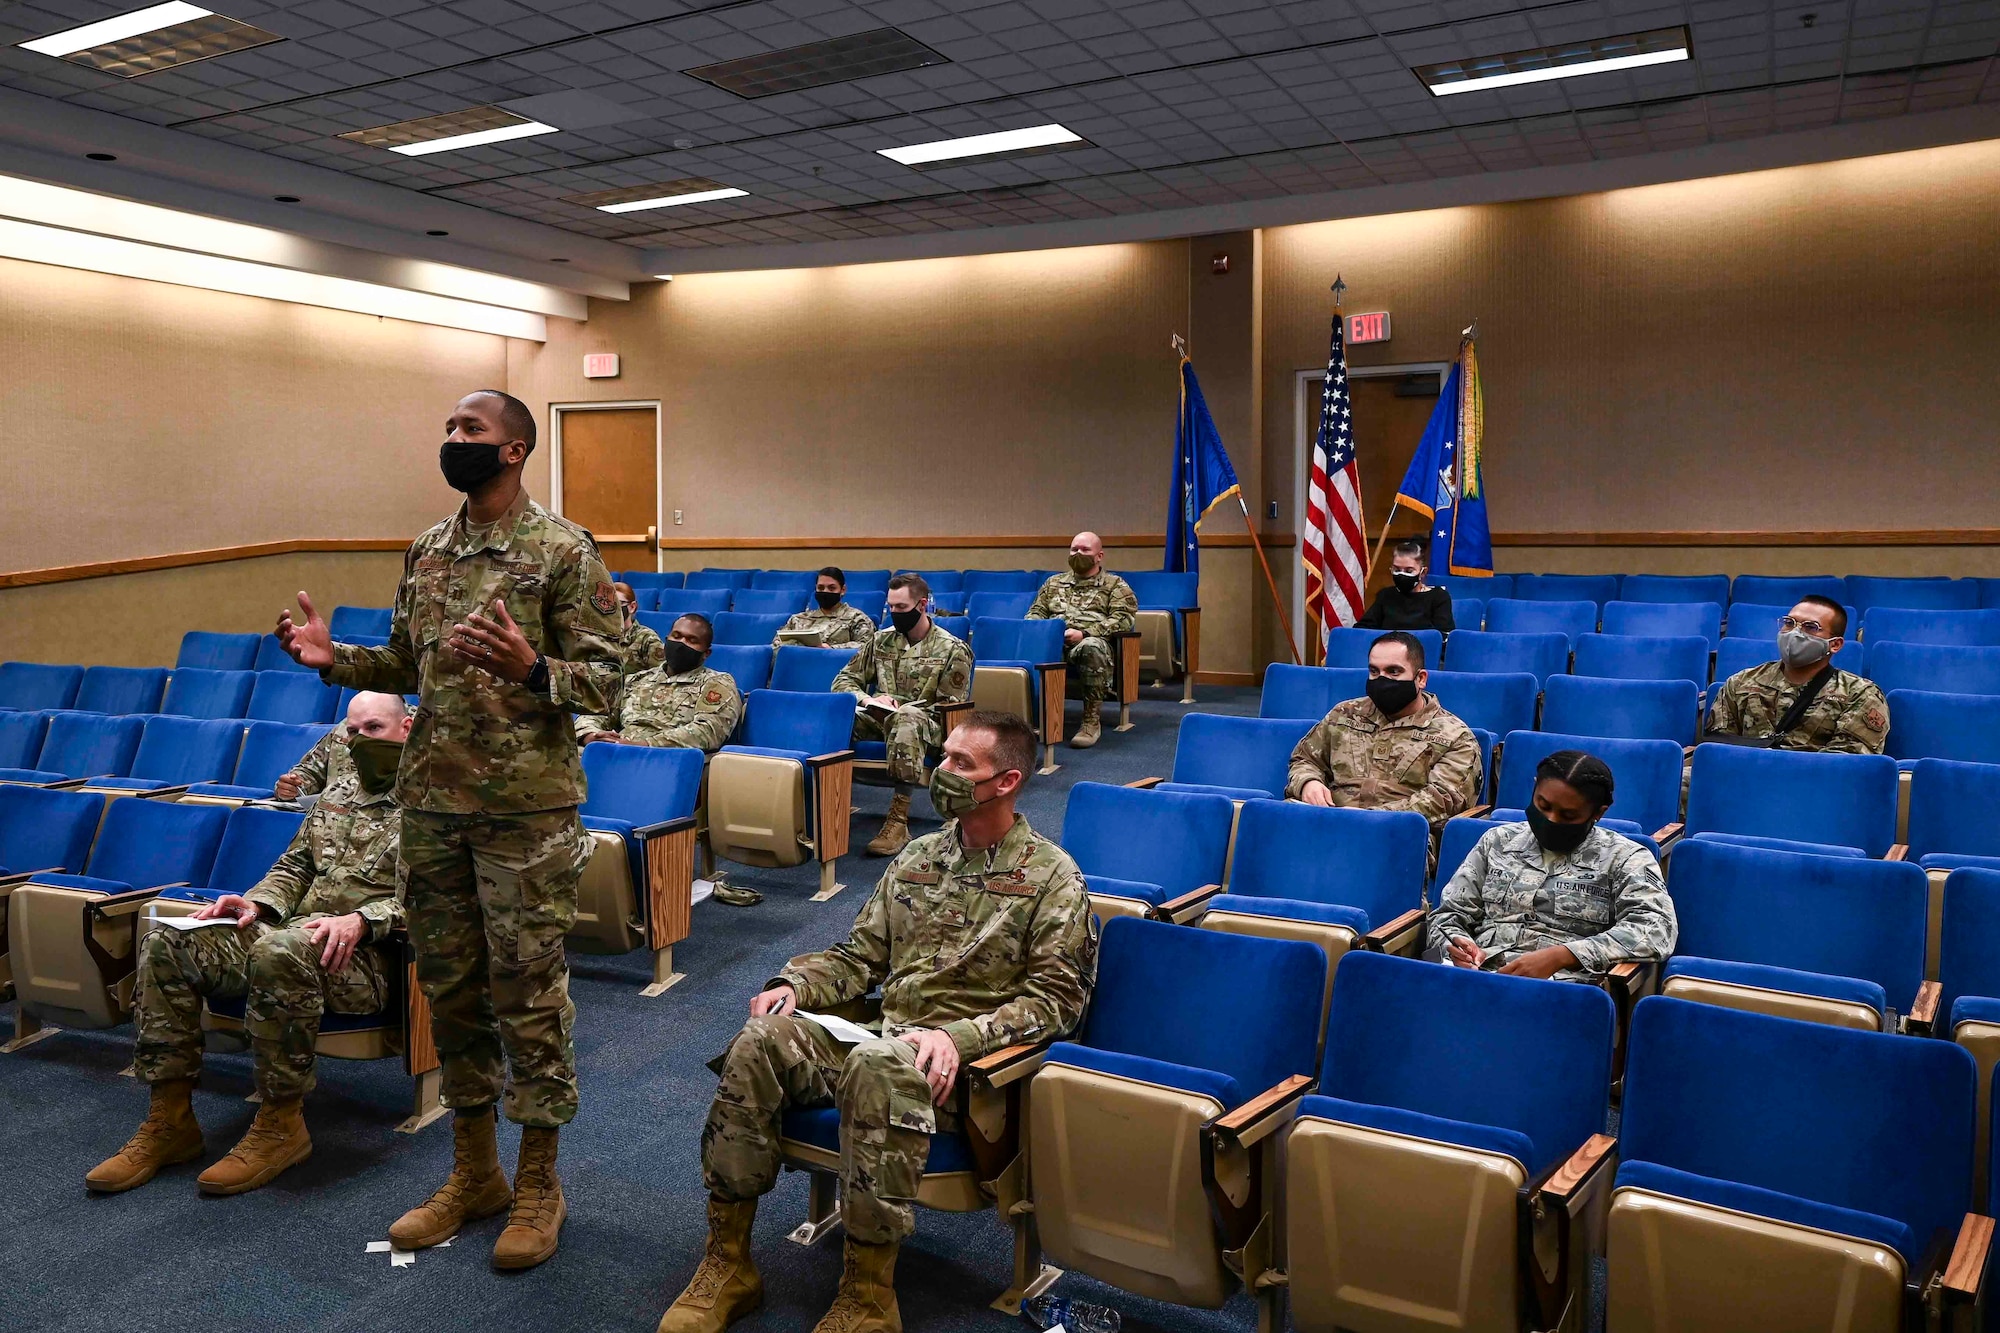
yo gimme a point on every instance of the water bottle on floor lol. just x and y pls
(1049, 1312)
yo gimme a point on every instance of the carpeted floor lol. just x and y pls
(294, 1254)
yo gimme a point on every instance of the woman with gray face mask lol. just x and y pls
(1803, 701)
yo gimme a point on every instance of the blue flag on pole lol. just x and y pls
(1446, 482)
(1203, 477)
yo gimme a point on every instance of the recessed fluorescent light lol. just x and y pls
(155, 38)
(661, 194)
(1661, 46)
(1001, 144)
(455, 129)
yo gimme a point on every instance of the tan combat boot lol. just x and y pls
(726, 1286)
(167, 1136)
(895, 834)
(533, 1226)
(1092, 728)
(866, 1301)
(276, 1139)
(476, 1187)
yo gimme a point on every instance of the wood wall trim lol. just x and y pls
(319, 545)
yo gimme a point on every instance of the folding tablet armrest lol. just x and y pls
(1553, 1214)
(1964, 1276)
(69, 784)
(125, 904)
(1264, 1114)
(820, 761)
(158, 792)
(1668, 834)
(1897, 852)
(1146, 784)
(1237, 1154)
(989, 1097)
(1921, 1020)
(1478, 811)
(647, 832)
(1631, 982)
(1571, 1180)
(1010, 1064)
(1402, 935)
(1188, 907)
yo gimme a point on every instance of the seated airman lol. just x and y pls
(833, 620)
(681, 702)
(1093, 604)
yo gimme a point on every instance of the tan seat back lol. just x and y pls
(1156, 646)
(1983, 1041)
(57, 979)
(607, 912)
(1006, 690)
(1779, 1004)
(757, 809)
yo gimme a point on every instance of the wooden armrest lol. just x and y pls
(70, 784)
(1009, 1064)
(1921, 1020)
(1666, 833)
(1257, 1117)
(1963, 1274)
(1626, 971)
(1146, 784)
(1377, 940)
(159, 792)
(1898, 852)
(1175, 908)
(1561, 1187)
(833, 757)
(1478, 811)
(1687, 752)
(646, 832)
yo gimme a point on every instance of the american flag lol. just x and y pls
(1335, 550)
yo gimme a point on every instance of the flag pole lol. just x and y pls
(1380, 542)
(1257, 545)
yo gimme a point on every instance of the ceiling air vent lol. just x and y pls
(835, 60)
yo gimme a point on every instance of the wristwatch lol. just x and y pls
(538, 676)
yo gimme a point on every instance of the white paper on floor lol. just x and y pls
(703, 890)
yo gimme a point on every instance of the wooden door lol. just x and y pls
(611, 482)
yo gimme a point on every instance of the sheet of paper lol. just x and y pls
(704, 889)
(840, 1029)
(190, 923)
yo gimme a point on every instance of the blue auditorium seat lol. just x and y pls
(1295, 861)
(1629, 709)
(942, 582)
(1675, 588)
(271, 656)
(1785, 591)
(638, 579)
(1001, 580)
(1759, 620)
(21, 740)
(1349, 647)
(993, 604)
(808, 669)
(1646, 774)
(1302, 691)
(146, 844)
(767, 804)
(45, 830)
(1952, 822)
(1734, 655)
(1496, 702)
(1467, 613)
(1865, 592)
(1571, 619)
(1927, 725)
(1146, 847)
(195, 692)
(208, 651)
(108, 689)
(1968, 975)
(1010, 658)
(1848, 800)
(270, 750)
(1540, 655)
(1596, 588)
(1471, 585)
(1243, 758)
(1941, 668)
(31, 687)
(785, 602)
(726, 580)
(1665, 620)
(178, 751)
(83, 745)
(670, 604)
(636, 794)
(285, 697)
(1962, 628)
(351, 620)
(785, 580)
(865, 582)
(749, 664)
(252, 842)
(755, 630)
(1632, 657)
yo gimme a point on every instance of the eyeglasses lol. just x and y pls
(1812, 627)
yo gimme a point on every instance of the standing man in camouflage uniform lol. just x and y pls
(1396, 749)
(1557, 895)
(506, 624)
(910, 668)
(640, 647)
(1095, 604)
(980, 936)
(680, 703)
(1846, 715)
(301, 943)
(832, 619)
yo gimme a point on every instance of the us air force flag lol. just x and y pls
(1203, 477)
(1445, 481)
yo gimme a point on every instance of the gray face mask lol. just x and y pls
(1799, 649)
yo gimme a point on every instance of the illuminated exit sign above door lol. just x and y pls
(1368, 328)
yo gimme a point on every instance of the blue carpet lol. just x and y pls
(293, 1254)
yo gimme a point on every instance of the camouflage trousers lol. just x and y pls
(285, 988)
(1091, 666)
(911, 734)
(489, 900)
(780, 1063)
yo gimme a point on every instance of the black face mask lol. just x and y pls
(1405, 582)
(681, 658)
(905, 621)
(1562, 839)
(827, 600)
(467, 465)
(1390, 695)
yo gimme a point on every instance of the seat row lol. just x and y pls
(1861, 591)
(151, 753)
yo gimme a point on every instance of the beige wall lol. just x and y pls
(144, 418)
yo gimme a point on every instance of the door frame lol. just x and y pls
(557, 411)
(1305, 425)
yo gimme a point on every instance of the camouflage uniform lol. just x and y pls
(1100, 605)
(994, 948)
(936, 669)
(1605, 900)
(641, 650)
(1427, 762)
(843, 624)
(1849, 715)
(489, 785)
(342, 860)
(697, 710)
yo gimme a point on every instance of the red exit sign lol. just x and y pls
(1369, 328)
(600, 366)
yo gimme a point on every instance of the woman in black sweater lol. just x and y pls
(1409, 603)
